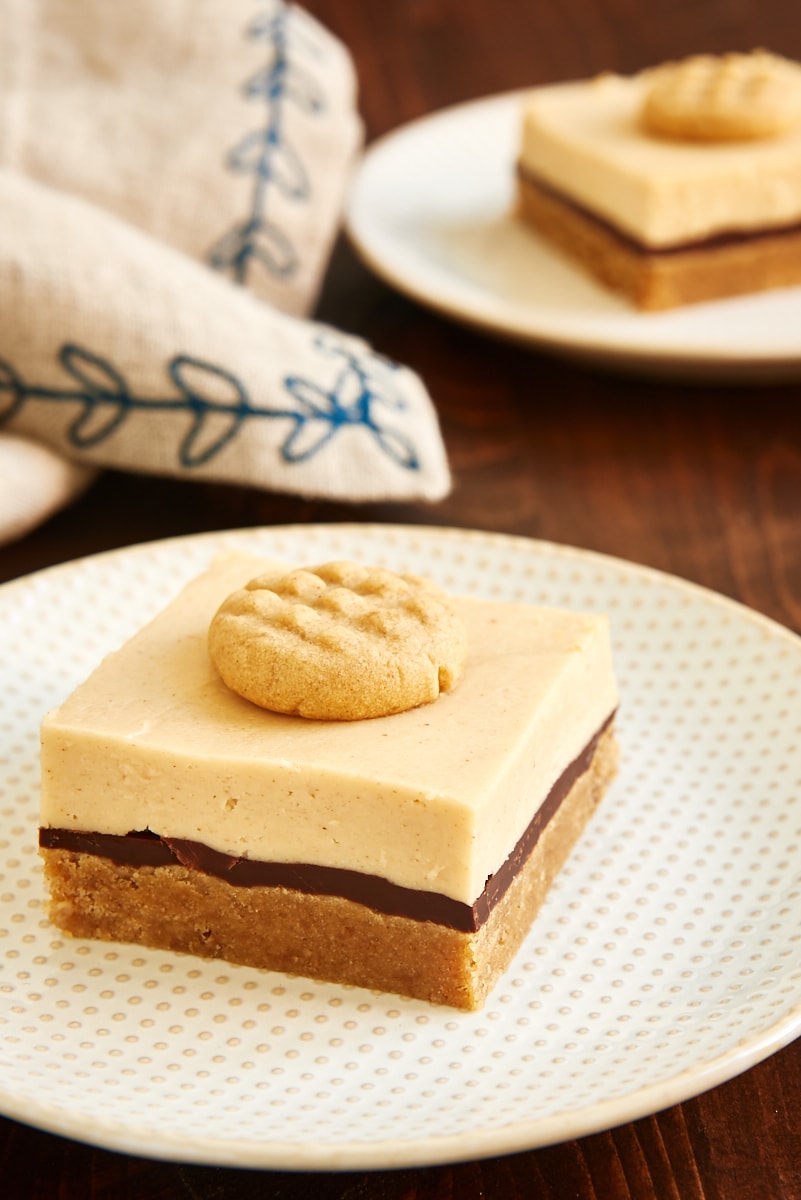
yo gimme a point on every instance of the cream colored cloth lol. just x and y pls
(36, 483)
(172, 175)
(225, 128)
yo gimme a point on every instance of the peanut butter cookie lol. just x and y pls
(339, 641)
(728, 97)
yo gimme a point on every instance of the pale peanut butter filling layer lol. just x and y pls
(432, 799)
(585, 140)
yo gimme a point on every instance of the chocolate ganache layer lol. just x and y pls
(713, 242)
(146, 849)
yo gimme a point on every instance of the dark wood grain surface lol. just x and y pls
(700, 481)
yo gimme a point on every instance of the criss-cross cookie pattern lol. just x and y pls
(339, 641)
(727, 97)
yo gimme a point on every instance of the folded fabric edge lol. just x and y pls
(139, 358)
(37, 483)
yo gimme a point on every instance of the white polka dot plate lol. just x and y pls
(666, 960)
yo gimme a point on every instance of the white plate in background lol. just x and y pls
(431, 212)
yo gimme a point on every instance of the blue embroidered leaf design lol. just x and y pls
(354, 400)
(273, 249)
(313, 401)
(288, 173)
(249, 155)
(265, 153)
(256, 155)
(265, 84)
(284, 81)
(397, 447)
(104, 393)
(303, 89)
(217, 403)
(306, 440)
(316, 421)
(217, 411)
(304, 92)
(265, 243)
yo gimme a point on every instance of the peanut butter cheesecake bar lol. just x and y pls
(186, 805)
(677, 185)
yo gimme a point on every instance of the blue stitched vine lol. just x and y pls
(266, 155)
(362, 390)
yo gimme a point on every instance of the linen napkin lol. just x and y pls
(36, 482)
(172, 175)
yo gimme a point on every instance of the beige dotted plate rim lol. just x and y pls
(386, 544)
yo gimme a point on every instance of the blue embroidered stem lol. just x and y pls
(218, 404)
(265, 154)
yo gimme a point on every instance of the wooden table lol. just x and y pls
(700, 481)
